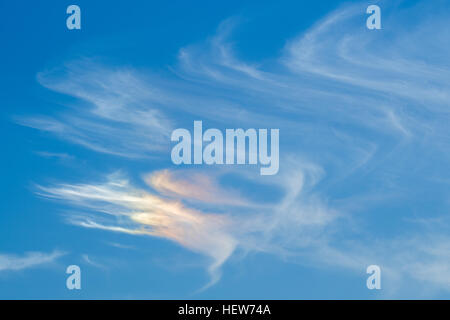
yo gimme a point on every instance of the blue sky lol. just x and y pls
(87, 178)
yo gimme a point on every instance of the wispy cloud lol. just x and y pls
(89, 261)
(363, 123)
(117, 113)
(55, 155)
(119, 207)
(12, 262)
(193, 185)
(141, 213)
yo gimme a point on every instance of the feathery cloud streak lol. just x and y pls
(10, 262)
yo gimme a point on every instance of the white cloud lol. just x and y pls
(118, 113)
(10, 262)
(89, 261)
(119, 207)
(362, 122)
